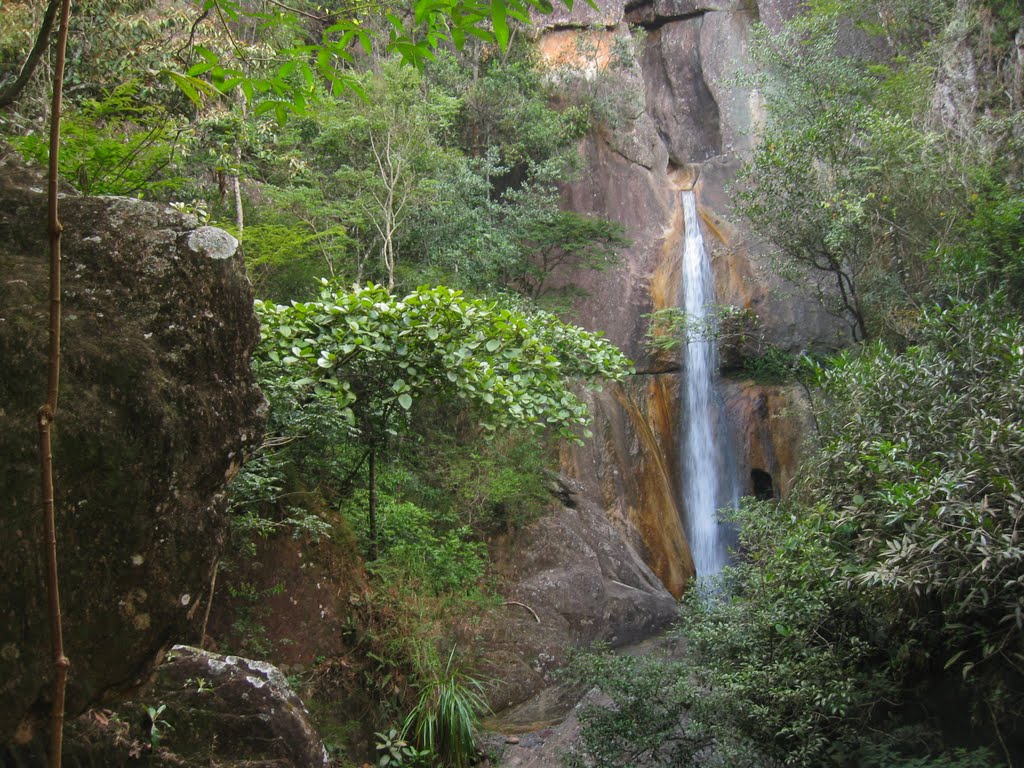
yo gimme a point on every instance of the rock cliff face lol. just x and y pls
(676, 117)
(158, 407)
(573, 579)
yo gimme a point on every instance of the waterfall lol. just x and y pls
(707, 481)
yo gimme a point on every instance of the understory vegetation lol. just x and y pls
(875, 617)
(393, 182)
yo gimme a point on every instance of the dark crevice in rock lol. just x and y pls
(666, 142)
(644, 15)
(564, 26)
(762, 485)
(714, 112)
(678, 100)
(673, 370)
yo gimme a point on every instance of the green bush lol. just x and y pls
(772, 366)
(431, 547)
(891, 579)
(118, 144)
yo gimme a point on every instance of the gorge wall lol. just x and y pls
(674, 114)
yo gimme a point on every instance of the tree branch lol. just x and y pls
(12, 91)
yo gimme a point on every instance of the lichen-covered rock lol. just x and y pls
(157, 409)
(228, 710)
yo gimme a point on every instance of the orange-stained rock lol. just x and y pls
(586, 51)
(631, 468)
(772, 424)
(696, 125)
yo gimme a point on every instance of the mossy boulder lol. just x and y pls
(157, 409)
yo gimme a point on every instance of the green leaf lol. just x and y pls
(192, 87)
(499, 18)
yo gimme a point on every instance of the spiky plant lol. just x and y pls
(446, 715)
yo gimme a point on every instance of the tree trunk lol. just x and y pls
(236, 182)
(11, 92)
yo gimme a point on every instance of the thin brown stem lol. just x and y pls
(209, 604)
(298, 11)
(372, 482)
(48, 411)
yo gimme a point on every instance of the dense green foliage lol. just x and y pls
(872, 618)
(116, 145)
(425, 181)
(861, 174)
(377, 354)
(875, 616)
(348, 376)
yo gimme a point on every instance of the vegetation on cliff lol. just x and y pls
(873, 618)
(876, 616)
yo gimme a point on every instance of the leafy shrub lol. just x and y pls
(921, 473)
(772, 366)
(490, 485)
(672, 327)
(431, 547)
(648, 722)
(119, 144)
(989, 258)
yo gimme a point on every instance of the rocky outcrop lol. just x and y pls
(771, 425)
(571, 579)
(631, 467)
(203, 709)
(158, 407)
(228, 710)
(697, 122)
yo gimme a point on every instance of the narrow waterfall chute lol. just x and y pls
(707, 469)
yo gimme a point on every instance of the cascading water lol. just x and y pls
(706, 480)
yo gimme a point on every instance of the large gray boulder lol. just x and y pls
(157, 409)
(228, 710)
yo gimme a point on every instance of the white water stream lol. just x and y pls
(707, 477)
